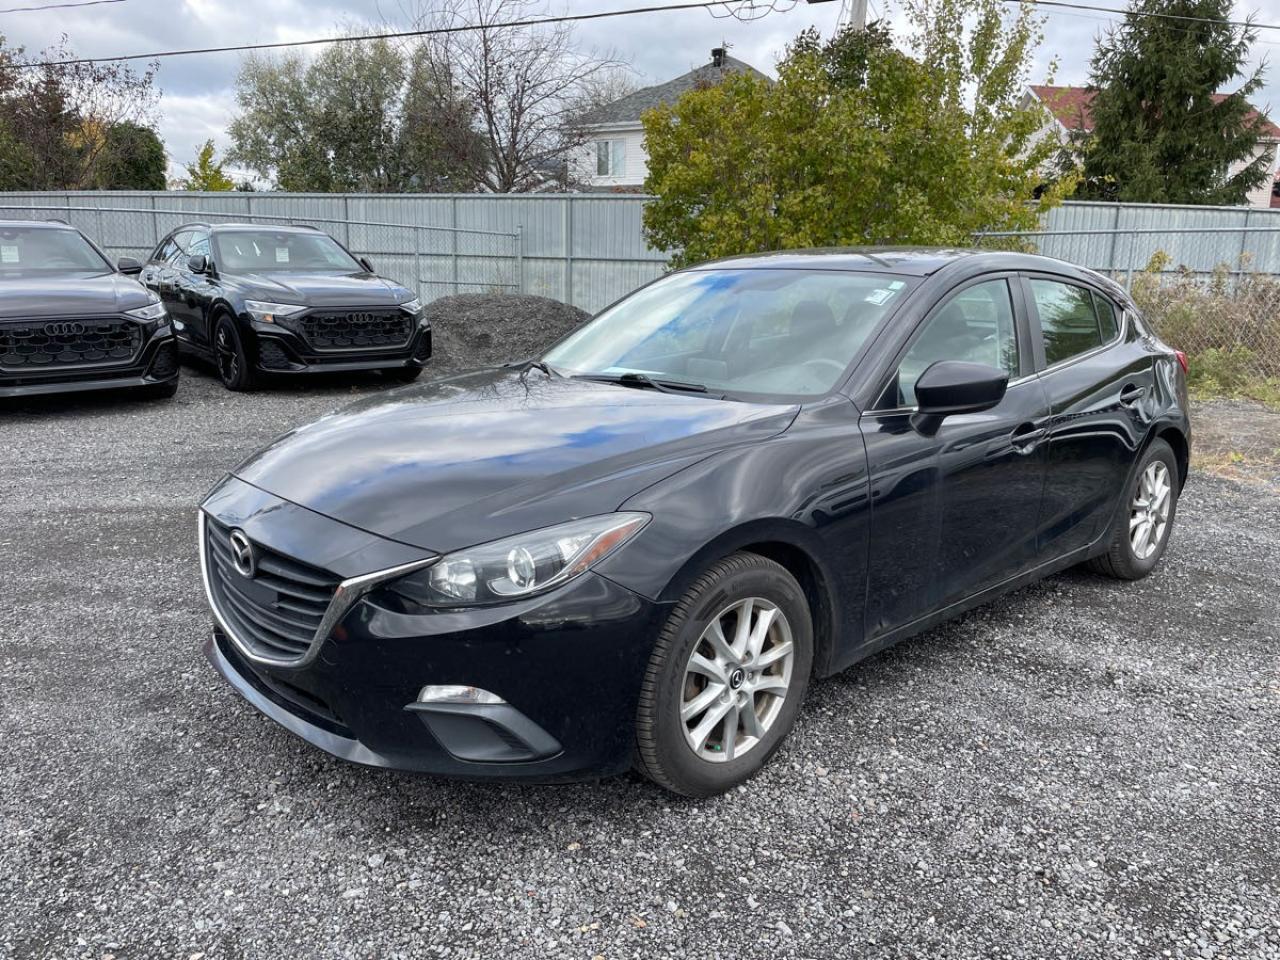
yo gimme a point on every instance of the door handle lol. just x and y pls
(1026, 437)
(1131, 394)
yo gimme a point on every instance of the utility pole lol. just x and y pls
(858, 14)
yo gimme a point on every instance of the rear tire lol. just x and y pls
(1140, 532)
(229, 357)
(402, 374)
(707, 723)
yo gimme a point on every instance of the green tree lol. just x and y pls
(362, 117)
(132, 158)
(206, 173)
(857, 143)
(1161, 133)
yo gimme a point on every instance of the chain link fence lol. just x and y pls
(434, 261)
(1211, 292)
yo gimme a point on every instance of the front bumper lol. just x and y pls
(569, 665)
(155, 363)
(281, 350)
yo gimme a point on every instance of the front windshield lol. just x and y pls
(277, 251)
(756, 331)
(46, 251)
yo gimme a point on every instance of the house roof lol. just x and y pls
(629, 108)
(1070, 106)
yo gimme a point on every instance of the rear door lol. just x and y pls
(955, 512)
(1099, 382)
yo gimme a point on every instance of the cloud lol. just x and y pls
(198, 100)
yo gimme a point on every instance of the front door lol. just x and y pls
(955, 512)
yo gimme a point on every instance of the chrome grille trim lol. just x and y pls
(345, 596)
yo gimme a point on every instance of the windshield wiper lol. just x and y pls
(644, 380)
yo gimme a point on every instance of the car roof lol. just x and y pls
(909, 261)
(39, 224)
(273, 227)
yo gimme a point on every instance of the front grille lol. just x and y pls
(277, 613)
(356, 330)
(50, 344)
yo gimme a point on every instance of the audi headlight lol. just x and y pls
(413, 306)
(520, 566)
(152, 311)
(265, 312)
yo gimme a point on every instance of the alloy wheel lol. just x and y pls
(228, 358)
(1149, 512)
(737, 677)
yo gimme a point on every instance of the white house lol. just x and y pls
(1069, 113)
(613, 156)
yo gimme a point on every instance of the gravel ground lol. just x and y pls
(1084, 768)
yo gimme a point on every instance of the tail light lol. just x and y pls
(1182, 361)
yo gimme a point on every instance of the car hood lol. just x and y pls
(322, 289)
(74, 295)
(485, 455)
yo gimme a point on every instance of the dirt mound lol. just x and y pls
(485, 329)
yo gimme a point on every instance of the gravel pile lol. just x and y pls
(1085, 769)
(483, 329)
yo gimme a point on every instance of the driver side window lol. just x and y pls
(975, 325)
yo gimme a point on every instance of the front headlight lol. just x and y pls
(413, 306)
(152, 311)
(265, 312)
(519, 566)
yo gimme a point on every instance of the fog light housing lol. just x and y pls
(457, 693)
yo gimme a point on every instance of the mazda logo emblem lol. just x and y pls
(66, 329)
(243, 555)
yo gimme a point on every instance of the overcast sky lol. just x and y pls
(198, 97)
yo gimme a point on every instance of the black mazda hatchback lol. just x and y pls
(258, 300)
(641, 547)
(71, 321)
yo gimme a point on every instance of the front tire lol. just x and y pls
(229, 356)
(1140, 532)
(726, 677)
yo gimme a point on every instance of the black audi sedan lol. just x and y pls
(258, 300)
(70, 320)
(641, 547)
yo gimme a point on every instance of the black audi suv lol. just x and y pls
(69, 320)
(640, 547)
(258, 300)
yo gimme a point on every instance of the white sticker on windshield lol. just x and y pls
(9, 253)
(282, 254)
(879, 297)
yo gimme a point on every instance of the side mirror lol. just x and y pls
(954, 386)
(367, 264)
(129, 266)
(198, 263)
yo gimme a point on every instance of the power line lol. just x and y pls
(1145, 13)
(399, 35)
(60, 6)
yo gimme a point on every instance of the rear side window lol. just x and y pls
(1069, 320)
(1106, 317)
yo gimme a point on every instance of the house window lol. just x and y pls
(610, 155)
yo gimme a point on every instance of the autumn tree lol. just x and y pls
(67, 125)
(857, 142)
(206, 173)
